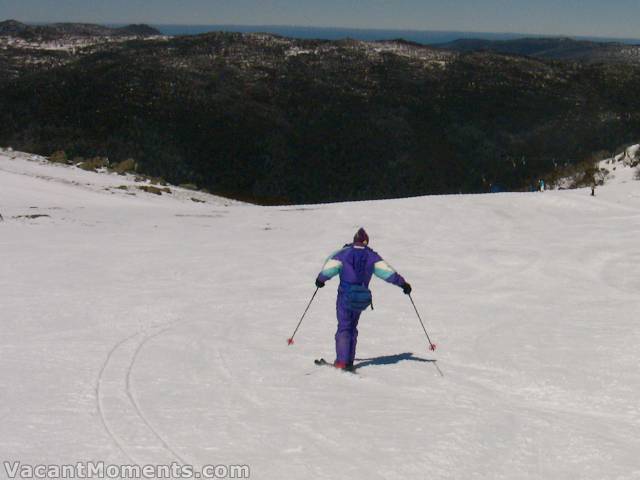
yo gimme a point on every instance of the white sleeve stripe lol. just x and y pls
(382, 265)
(332, 263)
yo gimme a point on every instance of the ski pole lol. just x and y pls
(432, 346)
(290, 340)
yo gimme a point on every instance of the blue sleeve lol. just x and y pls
(332, 266)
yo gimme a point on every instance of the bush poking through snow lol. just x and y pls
(93, 164)
(126, 166)
(583, 174)
(158, 181)
(59, 156)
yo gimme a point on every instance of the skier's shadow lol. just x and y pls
(390, 360)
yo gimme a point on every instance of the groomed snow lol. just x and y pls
(143, 328)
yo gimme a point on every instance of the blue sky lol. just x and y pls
(613, 18)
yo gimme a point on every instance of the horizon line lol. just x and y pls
(325, 27)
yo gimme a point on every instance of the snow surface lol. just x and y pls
(622, 168)
(70, 44)
(143, 328)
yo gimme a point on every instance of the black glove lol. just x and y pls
(406, 288)
(319, 284)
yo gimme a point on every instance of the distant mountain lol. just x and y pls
(550, 48)
(57, 31)
(140, 30)
(276, 120)
(12, 28)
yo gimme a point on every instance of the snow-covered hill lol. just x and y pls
(144, 328)
(622, 168)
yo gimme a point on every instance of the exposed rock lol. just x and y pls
(154, 190)
(33, 216)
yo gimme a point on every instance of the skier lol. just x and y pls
(355, 263)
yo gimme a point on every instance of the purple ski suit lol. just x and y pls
(355, 263)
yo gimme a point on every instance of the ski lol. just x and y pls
(322, 361)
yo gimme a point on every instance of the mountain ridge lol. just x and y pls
(55, 31)
(270, 119)
(556, 48)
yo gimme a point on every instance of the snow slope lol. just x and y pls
(143, 328)
(620, 167)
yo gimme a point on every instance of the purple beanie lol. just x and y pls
(361, 237)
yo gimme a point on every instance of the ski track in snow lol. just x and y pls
(99, 406)
(134, 402)
(118, 354)
(162, 326)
